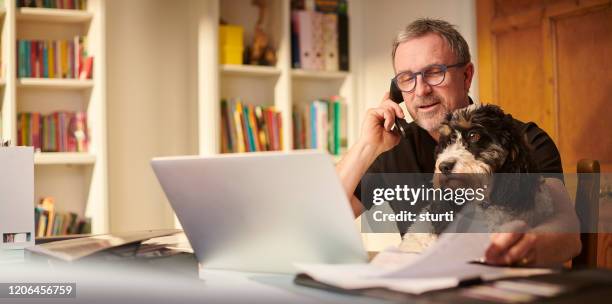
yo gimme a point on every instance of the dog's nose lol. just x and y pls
(446, 167)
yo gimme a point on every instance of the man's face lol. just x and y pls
(428, 105)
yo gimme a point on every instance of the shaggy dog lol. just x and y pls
(476, 142)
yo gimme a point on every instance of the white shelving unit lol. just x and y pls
(77, 181)
(53, 15)
(51, 83)
(280, 85)
(64, 158)
(248, 70)
(318, 75)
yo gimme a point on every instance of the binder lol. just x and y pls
(330, 41)
(343, 42)
(310, 40)
(318, 46)
(295, 41)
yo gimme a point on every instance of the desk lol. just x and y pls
(164, 280)
(175, 280)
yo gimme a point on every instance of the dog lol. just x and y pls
(476, 143)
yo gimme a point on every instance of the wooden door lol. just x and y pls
(550, 62)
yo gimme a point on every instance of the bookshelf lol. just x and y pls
(64, 158)
(318, 75)
(59, 84)
(52, 15)
(280, 86)
(77, 180)
(248, 70)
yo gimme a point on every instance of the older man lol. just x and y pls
(434, 71)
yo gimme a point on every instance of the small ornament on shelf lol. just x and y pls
(261, 52)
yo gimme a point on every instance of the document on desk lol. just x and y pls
(74, 249)
(443, 265)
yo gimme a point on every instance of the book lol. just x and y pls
(74, 249)
(51, 222)
(87, 70)
(295, 41)
(306, 36)
(54, 59)
(226, 138)
(343, 42)
(56, 4)
(240, 146)
(321, 124)
(249, 128)
(56, 132)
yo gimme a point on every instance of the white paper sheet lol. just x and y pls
(443, 265)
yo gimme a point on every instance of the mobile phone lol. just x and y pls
(395, 94)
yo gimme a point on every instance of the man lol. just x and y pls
(428, 43)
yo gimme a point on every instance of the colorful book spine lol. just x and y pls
(57, 4)
(56, 132)
(321, 124)
(250, 128)
(54, 59)
(49, 222)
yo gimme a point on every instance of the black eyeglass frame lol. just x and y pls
(443, 69)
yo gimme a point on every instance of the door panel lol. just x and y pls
(584, 76)
(520, 78)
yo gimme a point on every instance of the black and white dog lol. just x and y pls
(476, 142)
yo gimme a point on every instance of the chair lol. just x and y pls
(587, 209)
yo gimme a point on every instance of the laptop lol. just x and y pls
(261, 212)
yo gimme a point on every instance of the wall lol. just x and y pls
(148, 105)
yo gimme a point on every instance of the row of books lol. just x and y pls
(49, 222)
(248, 128)
(321, 124)
(63, 4)
(56, 132)
(54, 59)
(319, 36)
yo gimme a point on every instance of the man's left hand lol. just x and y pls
(516, 247)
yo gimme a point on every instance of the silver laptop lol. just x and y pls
(262, 211)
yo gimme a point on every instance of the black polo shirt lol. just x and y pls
(415, 154)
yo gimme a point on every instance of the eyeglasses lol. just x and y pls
(433, 75)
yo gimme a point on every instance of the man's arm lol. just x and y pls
(552, 242)
(376, 138)
(351, 168)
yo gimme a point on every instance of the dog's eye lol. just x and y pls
(473, 137)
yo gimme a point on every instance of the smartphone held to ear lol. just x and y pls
(395, 94)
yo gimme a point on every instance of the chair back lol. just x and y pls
(587, 209)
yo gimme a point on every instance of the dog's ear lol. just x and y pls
(518, 159)
(445, 130)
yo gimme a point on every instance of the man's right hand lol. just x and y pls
(376, 130)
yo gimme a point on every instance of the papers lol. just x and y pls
(70, 250)
(177, 242)
(443, 265)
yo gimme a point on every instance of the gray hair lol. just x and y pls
(447, 31)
